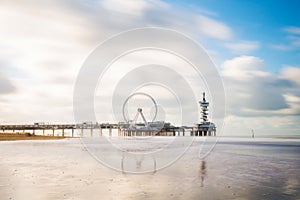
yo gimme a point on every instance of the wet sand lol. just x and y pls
(236, 169)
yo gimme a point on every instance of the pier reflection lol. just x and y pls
(134, 164)
(202, 171)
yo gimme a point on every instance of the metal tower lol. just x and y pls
(205, 127)
(204, 109)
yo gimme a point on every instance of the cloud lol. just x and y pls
(213, 28)
(47, 41)
(292, 30)
(252, 91)
(244, 68)
(243, 47)
(291, 73)
(292, 39)
(131, 7)
(295, 40)
(6, 85)
(281, 47)
(44, 51)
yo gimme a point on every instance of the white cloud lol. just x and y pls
(295, 40)
(132, 7)
(257, 99)
(41, 52)
(244, 68)
(291, 73)
(213, 28)
(253, 91)
(292, 30)
(6, 86)
(292, 98)
(292, 39)
(243, 47)
(47, 41)
(281, 47)
(294, 105)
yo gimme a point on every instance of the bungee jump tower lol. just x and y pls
(205, 128)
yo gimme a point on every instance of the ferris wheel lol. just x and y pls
(133, 122)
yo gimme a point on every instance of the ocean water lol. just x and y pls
(236, 168)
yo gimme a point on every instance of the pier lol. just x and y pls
(91, 130)
(124, 129)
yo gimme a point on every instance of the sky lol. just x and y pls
(255, 46)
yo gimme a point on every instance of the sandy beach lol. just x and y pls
(235, 169)
(7, 136)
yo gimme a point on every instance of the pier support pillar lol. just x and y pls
(43, 132)
(72, 132)
(53, 131)
(63, 132)
(100, 131)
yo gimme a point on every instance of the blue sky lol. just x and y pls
(263, 21)
(255, 45)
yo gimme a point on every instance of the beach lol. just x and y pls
(237, 168)
(7, 136)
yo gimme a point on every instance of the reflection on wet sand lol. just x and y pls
(138, 164)
(202, 172)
